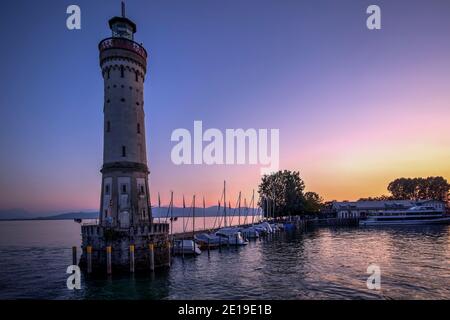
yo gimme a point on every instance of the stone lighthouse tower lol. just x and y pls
(126, 238)
(125, 191)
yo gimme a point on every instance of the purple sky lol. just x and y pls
(355, 108)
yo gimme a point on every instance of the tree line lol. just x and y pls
(431, 188)
(283, 193)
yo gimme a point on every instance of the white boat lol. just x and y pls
(206, 240)
(412, 216)
(186, 247)
(231, 236)
(264, 227)
(249, 233)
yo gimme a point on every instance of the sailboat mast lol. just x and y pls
(253, 207)
(225, 204)
(193, 218)
(171, 212)
(239, 209)
(204, 214)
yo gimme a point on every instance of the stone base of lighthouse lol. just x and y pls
(142, 248)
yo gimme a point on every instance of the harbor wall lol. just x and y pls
(137, 249)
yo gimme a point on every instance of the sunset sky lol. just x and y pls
(355, 108)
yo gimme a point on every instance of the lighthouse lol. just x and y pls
(125, 198)
(125, 239)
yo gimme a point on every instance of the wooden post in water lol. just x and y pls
(151, 247)
(89, 258)
(132, 258)
(74, 256)
(108, 260)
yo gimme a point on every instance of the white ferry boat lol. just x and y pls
(411, 216)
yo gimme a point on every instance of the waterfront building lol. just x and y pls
(356, 209)
(126, 224)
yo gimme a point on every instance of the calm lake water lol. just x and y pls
(323, 263)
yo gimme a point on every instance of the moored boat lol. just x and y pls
(413, 216)
(188, 247)
(206, 240)
(231, 236)
(249, 232)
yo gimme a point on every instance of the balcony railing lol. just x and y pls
(122, 43)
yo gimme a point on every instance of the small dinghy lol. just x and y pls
(188, 247)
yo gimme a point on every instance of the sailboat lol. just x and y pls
(250, 232)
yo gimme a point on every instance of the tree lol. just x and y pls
(435, 188)
(313, 202)
(282, 191)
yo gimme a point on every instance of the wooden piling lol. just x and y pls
(74, 256)
(108, 260)
(132, 258)
(89, 258)
(182, 248)
(169, 256)
(151, 247)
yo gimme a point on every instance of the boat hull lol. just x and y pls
(444, 220)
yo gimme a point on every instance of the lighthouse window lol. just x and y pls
(124, 188)
(107, 189)
(108, 126)
(136, 76)
(124, 151)
(122, 71)
(138, 128)
(142, 190)
(123, 99)
(109, 73)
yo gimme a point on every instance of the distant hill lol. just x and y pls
(20, 214)
(71, 216)
(15, 214)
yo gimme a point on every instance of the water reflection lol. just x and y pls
(323, 263)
